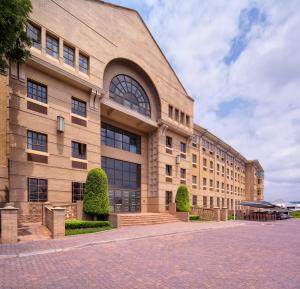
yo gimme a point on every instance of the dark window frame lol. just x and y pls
(169, 170)
(69, 55)
(37, 141)
(79, 150)
(41, 191)
(37, 91)
(77, 191)
(34, 33)
(78, 107)
(52, 45)
(169, 142)
(84, 63)
(183, 173)
(119, 138)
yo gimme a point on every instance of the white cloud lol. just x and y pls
(196, 36)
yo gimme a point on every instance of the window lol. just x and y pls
(77, 191)
(69, 55)
(223, 203)
(204, 162)
(223, 169)
(218, 202)
(211, 202)
(120, 139)
(218, 184)
(168, 142)
(211, 183)
(52, 46)
(182, 117)
(34, 33)
(78, 107)
(37, 190)
(211, 165)
(187, 119)
(204, 201)
(207, 145)
(121, 174)
(37, 141)
(78, 150)
(170, 111)
(183, 147)
(125, 90)
(194, 180)
(83, 63)
(204, 182)
(182, 173)
(222, 186)
(194, 200)
(194, 158)
(37, 91)
(218, 167)
(169, 170)
(176, 114)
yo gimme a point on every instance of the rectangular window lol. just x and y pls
(183, 147)
(211, 165)
(83, 63)
(204, 162)
(194, 200)
(52, 46)
(211, 183)
(211, 202)
(120, 139)
(69, 53)
(194, 180)
(37, 141)
(78, 107)
(77, 191)
(204, 182)
(187, 119)
(218, 167)
(218, 184)
(169, 142)
(36, 91)
(78, 150)
(170, 111)
(122, 174)
(194, 158)
(37, 190)
(169, 170)
(204, 201)
(182, 173)
(182, 117)
(176, 114)
(218, 202)
(34, 33)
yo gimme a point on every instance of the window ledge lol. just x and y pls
(29, 151)
(37, 102)
(79, 116)
(79, 160)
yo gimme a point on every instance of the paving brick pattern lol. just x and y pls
(250, 255)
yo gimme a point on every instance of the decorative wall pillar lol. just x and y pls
(9, 224)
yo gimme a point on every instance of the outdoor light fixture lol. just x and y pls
(60, 124)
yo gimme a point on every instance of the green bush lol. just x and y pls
(182, 199)
(96, 197)
(295, 214)
(194, 217)
(75, 224)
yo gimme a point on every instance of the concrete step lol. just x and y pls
(146, 219)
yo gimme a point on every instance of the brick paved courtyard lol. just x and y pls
(180, 255)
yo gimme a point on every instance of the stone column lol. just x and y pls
(9, 224)
(44, 205)
(79, 210)
(58, 222)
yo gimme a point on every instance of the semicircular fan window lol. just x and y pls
(128, 92)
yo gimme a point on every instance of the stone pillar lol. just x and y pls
(44, 205)
(58, 222)
(9, 224)
(172, 208)
(225, 215)
(218, 215)
(114, 219)
(79, 210)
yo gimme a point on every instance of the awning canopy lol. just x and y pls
(260, 204)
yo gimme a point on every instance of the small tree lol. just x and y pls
(96, 197)
(182, 199)
(14, 41)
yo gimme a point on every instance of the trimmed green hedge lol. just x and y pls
(295, 214)
(75, 224)
(182, 199)
(194, 217)
(96, 197)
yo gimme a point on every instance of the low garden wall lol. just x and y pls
(54, 220)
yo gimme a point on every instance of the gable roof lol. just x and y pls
(151, 35)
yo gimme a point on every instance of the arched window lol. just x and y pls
(128, 92)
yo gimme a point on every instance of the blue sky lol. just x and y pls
(240, 61)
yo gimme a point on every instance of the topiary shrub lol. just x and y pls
(96, 197)
(182, 199)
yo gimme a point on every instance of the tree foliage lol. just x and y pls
(182, 199)
(96, 197)
(14, 41)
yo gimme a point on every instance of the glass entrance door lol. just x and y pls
(124, 201)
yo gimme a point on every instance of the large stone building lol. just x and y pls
(98, 91)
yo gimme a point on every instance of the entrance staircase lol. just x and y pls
(146, 219)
